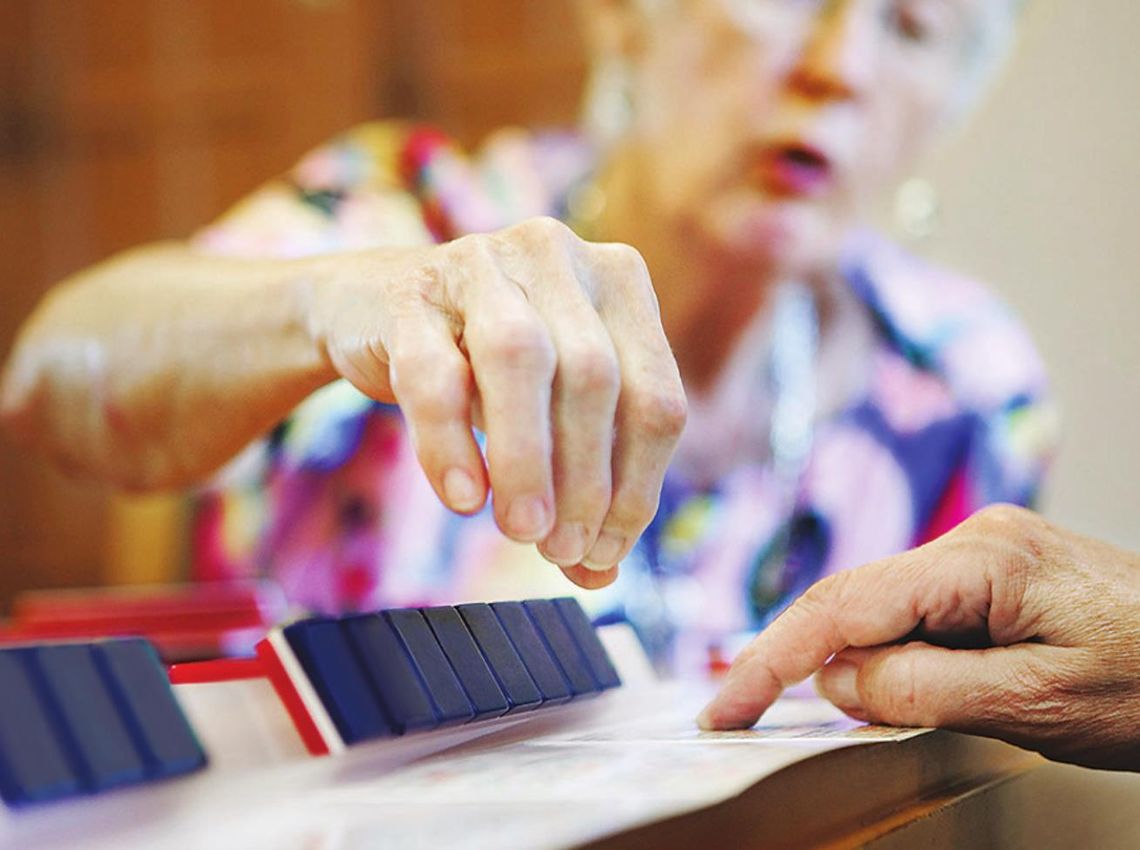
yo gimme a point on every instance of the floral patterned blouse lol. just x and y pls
(332, 504)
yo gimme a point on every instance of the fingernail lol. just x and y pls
(704, 719)
(461, 491)
(528, 518)
(837, 682)
(566, 544)
(605, 552)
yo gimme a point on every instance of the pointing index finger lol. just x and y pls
(873, 605)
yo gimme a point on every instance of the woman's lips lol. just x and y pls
(795, 170)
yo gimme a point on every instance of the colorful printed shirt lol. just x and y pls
(333, 505)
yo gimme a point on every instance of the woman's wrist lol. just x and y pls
(300, 286)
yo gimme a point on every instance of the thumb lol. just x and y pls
(916, 684)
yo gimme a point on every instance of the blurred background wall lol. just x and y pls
(129, 120)
(1041, 197)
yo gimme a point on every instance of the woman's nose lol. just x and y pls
(838, 59)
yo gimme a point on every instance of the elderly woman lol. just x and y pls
(396, 328)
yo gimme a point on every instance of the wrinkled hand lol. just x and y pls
(1007, 627)
(553, 346)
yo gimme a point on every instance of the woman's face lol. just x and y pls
(765, 128)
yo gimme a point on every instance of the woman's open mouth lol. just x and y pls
(795, 170)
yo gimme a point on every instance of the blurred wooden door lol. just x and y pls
(123, 121)
(473, 66)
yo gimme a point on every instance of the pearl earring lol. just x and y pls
(917, 209)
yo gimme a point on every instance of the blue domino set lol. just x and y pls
(82, 718)
(356, 678)
(78, 719)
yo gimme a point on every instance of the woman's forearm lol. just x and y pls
(153, 368)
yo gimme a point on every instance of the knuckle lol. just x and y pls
(520, 345)
(542, 229)
(626, 268)
(550, 227)
(470, 245)
(660, 413)
(1019, 526)
(431, 388)
(630, 260)
(820, 594)
(1025, 539)
(817, 601)
(902, 704)
(633, 509)
(818, 606)
(474, 252)
(1005, 516)
(524, 457)
(590, 371)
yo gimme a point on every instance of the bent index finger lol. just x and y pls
(876, 604)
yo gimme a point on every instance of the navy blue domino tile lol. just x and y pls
(532, 650)
(501, 656)
(33, 766)
(90, 721)
(462, 652)
(448, 698)
(598, 660)
(83, 718)
(334, 669)
(566, 652)
(139, 684)
(391, 672)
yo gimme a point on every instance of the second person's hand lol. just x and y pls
(1007, 626)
